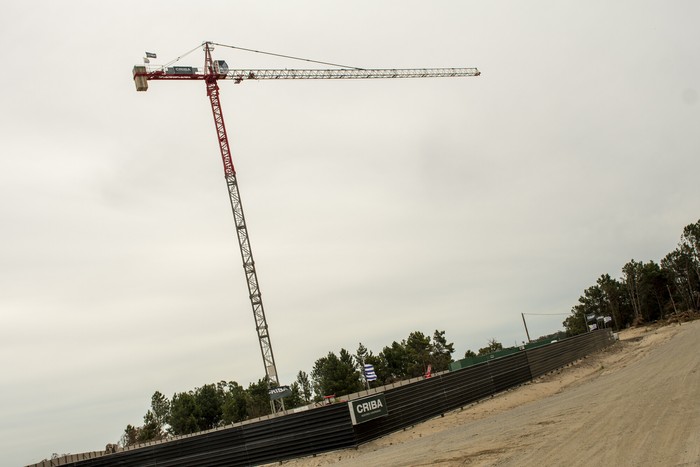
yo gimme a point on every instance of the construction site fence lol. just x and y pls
(312, 430)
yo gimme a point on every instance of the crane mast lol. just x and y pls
(239, 220)
(218, 70)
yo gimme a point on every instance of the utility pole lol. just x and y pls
(526, 331)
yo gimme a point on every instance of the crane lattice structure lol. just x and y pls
(215, 70)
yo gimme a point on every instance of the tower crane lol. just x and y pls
(216, 70)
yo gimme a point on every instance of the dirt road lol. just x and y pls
(635, 404)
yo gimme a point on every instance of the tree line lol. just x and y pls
(226, 402)
(645, 292)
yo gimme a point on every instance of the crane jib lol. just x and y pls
(143, 74)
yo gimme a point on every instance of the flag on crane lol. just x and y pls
(150, 55)
(370, 375)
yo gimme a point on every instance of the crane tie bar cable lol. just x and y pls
(287, 56)
(163, 67)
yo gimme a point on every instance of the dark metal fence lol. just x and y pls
(276, 438)
(545, 359)
(330, 427)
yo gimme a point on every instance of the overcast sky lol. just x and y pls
(375, 208)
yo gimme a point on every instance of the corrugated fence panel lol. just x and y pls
(191, 450)
(293, 435)
(510, 371)
(558, 354)
(467, 385)
(304, 433)
(209, 448)
(218, 448)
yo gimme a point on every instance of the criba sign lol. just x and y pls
(368, 408)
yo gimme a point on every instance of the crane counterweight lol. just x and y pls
(140, 78)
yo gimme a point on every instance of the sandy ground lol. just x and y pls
(636, 403)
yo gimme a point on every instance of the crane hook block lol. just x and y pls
(140, 79)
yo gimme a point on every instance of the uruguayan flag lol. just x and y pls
(370, 375)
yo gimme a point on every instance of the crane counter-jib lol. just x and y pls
(142, 75)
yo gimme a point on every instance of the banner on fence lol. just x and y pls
(368, 408)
